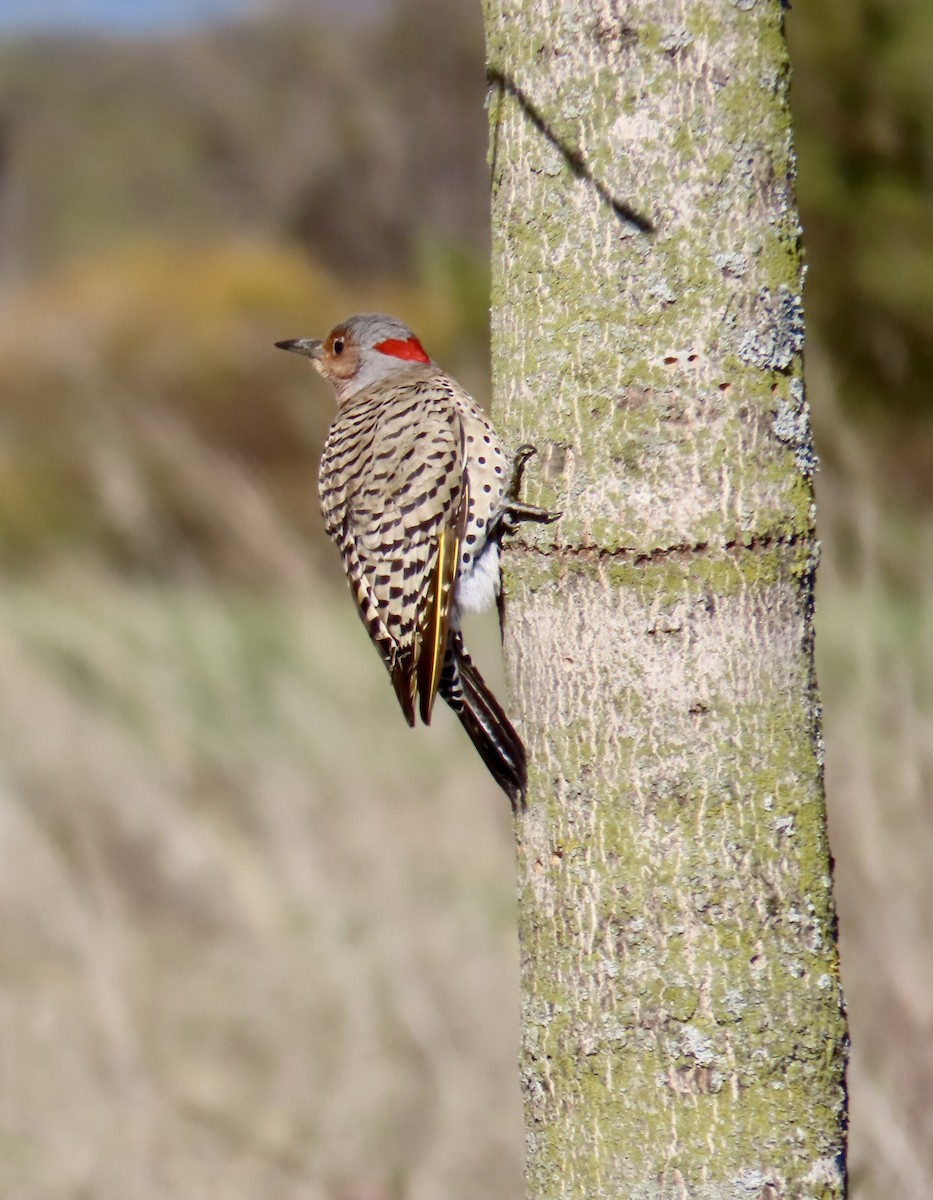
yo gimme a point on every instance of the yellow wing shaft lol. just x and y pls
(433, 642)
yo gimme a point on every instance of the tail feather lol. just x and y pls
(481, 715)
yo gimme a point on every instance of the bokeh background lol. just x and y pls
(256, 937)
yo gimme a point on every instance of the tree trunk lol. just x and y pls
(683, 1033)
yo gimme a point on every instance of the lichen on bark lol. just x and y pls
(683, 1027)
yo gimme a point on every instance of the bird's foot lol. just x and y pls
(514, 511)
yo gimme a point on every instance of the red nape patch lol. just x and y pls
(412, 349)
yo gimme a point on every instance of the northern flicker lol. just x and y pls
(417, 491)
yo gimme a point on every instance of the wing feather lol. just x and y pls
(394, 496)
(433, 642)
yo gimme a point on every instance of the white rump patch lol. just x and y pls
(479, 584)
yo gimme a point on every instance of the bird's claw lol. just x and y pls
(522, 455)
(515, 511)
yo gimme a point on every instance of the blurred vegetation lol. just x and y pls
(170, 208)
(257, 936)
(863, 101)
(147, 417)
(281, 128)
(197, 994)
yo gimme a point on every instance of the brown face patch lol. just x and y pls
(341, 356)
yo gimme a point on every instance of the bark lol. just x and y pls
(683, 1032)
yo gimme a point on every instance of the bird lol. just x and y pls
(417, 492)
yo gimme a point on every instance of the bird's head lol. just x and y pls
(361, 351)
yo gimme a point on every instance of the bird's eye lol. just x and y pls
(338, 346)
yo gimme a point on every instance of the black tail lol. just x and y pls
(481, 715)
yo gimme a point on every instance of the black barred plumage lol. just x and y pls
(413, 491)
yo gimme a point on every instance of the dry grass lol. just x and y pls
(875, 657)
(258, 936)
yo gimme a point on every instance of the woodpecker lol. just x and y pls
(417, 492)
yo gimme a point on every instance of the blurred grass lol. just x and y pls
(874, 650)
(241, 956)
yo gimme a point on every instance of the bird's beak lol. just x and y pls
(309, 347)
